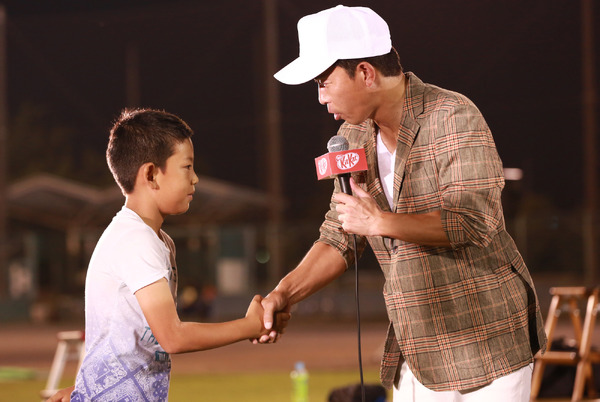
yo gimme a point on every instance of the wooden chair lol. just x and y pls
(568, 299)
(71, 346)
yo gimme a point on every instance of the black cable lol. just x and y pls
(362, 383)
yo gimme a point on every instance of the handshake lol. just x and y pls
(268, 317)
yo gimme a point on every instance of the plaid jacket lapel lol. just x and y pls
(409, 128)
(406, 136)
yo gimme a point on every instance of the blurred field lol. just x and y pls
(239, 372)
(233, 387)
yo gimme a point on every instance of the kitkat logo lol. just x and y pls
(341, 162)
(347, 160)
(322, 166)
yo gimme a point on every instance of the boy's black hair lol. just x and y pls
(139, 136)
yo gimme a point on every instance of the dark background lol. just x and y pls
(520, 62)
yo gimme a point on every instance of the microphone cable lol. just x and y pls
(360, 366)
(339, 143)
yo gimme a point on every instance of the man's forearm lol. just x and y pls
(425, 229)
(321, 265)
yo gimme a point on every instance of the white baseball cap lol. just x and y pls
(334, 34)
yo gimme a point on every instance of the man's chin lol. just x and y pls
(353, 122)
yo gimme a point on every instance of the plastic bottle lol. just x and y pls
(299, 378)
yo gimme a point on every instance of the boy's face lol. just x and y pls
(177, 180)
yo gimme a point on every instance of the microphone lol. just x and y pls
(338, 143)
(340, 162)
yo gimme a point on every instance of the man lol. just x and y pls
(464, 318)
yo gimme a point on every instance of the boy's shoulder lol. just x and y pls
(166, 239)
(126, 229)
(130, 249)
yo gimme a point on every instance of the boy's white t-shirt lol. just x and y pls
(123, 360)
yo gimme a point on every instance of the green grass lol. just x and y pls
(220, 387)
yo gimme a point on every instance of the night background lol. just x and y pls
(73, 65)
(520, 62)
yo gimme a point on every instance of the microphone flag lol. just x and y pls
(333, 164)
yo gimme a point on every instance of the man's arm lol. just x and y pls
(176, 336)
(361, 215)
(321, 265)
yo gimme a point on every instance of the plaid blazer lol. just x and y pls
(464, 315)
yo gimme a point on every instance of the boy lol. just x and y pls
(131, 320)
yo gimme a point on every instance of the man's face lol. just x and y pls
(343, 96)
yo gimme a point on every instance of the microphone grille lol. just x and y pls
(337, 143)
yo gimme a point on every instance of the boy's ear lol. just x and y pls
(147, 174)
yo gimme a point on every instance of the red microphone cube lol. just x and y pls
(335, 163)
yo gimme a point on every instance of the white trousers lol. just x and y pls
(514, 387)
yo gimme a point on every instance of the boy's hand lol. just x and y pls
(276, 316)
(63, 395)
(254, 315)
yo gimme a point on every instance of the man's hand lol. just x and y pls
(359, 213)
(63, 395)
(276, 316)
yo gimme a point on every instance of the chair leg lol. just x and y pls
(539, 365)
(584, 370)
(579, 384)
(536, 379)
(589, 377)
(552, 318)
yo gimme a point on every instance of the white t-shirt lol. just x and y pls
(123, 360)
(386, 161)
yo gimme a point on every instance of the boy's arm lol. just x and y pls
(175, 336)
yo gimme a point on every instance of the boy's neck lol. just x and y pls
(149, 215)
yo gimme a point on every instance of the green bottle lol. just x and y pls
(299, 383)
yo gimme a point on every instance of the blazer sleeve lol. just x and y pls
(471, 177)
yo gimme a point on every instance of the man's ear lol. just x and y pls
(366, 72)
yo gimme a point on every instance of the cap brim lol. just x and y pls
(302, 70)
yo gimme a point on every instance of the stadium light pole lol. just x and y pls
(589, 125)
(273, 137)
(3, 160)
